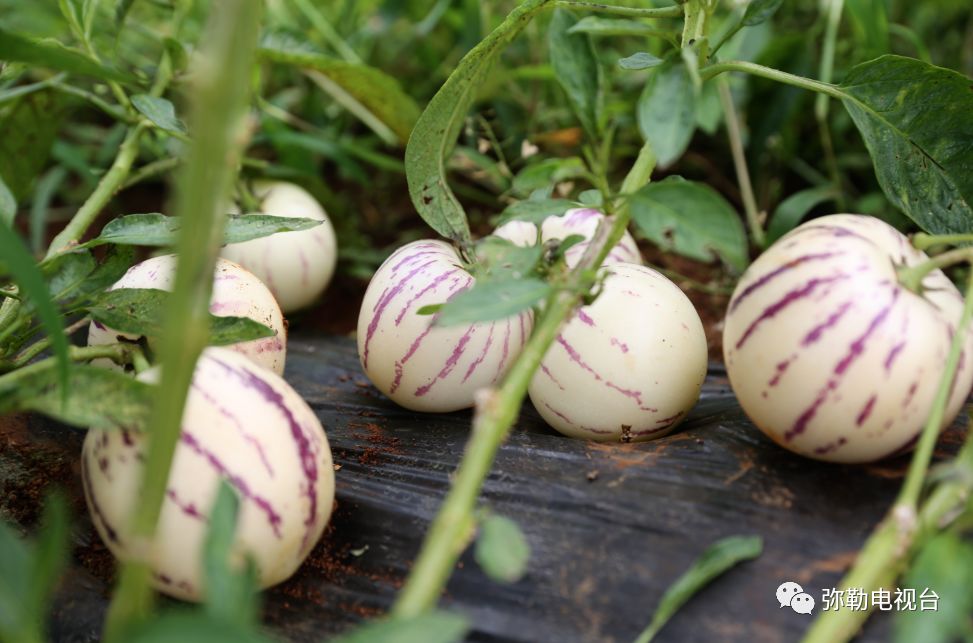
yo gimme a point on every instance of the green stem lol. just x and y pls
(771, 74)
(110, 183)
(327, 31)
(910, 277)
(41, 345)
(740, 164)
(826, 69)
(220, 99)
(118, 353)
(114, 111)
(149, 170)
(674, 11)
(694, 27)
(496, 410)
(887, 550)
(923, 241)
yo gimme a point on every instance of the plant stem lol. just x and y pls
(221, 96)
(674, 11)
(887, 550)
(740, 164)
(923, 241)
(694, 27)
(772, 74)
(910, 277)
(39, 346)
(825, 74)
(496, 411)
(110, 183)
(327, 31)
(118, 353)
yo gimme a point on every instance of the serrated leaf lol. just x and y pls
(577, 70)
(8, 205)
(47, 53)
(942, 566)
(377, 92)
(435, 133)
(158, 230)
(716, 560)
(96, 397)
(667, 112)
(492, 300)
(431, 627)
(29, 130)
(231, 593)
(533, 210)
(160, 111)
(691, 219)
(139, 311)
(916, 119)
(760, 11)
(792, 210)
(502, 550)
(640, 60)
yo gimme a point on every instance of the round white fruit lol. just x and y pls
(421, 366)
(629, 366)
(829, 355)
(296, 266)
(578, 221)
(242, 424)
(236, 293)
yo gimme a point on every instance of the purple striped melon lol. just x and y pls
(829, 355)
(421, 366)
(580, 221)
(627, 367)
(243, 424)
(236, 293)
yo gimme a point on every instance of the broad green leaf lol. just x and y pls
(691, 219)
(31, 282)
(116, 263)
(916, 121)
(160, 111)
(498, 258)
(714, 562)
(667, 112)
(792, 210)
(431, 627)
(591, 198)
(139, 311)
(547, 173)
(577, 70)
(533, 210)
(640, 60)
(439, 125)
(942, 566)
(377, 92)
(502, 550)
(597, 26)
(709, 111)
(231, 594)
(29, 130)
(492, 300)
(96, 396)
(8, 205)
(48, 53)
(194, 626)
(759, 11)
(158, 230)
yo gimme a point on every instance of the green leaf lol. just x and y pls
(160, 111)
(139, 311)
(8, 205)
(916, 119)
(667, 112)
(498, 258)
(715, 561)
(640, 60)
(46, 53)
(502, 550)
(792, 210)
(377, 93)
(431, 627)
(597, 26)
(691, 219)
(96, 397)
(439, 125)
(30, 280)
(641, 171)
(760, 11)
(66, 272)
(943, 566)
(492, 300)
(29, 130)
(591, 198)
(577, 70)
(231, 594)
(116, 263)
(158, 230)
(193, 627)
(547, 173)
(122, 7)
(534, 211)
